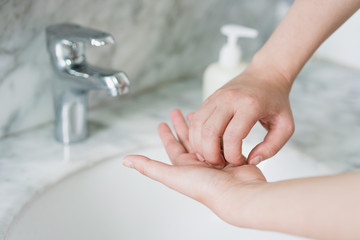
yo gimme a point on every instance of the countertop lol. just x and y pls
(325, 101)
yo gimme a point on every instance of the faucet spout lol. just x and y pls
(89, 77)
(117, 84)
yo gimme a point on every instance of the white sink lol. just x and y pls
(110, 201)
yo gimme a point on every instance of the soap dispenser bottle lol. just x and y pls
(230, 64)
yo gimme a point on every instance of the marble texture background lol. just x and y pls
(325, 101)
(156, 41)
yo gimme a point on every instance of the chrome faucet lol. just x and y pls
(74, 77)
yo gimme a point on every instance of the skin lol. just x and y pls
(261, 93)
(192, 177)
(320, 207)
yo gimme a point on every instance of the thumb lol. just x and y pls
(178, 178)
(155, 170)
(279, 133)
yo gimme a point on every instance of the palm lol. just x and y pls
(190, 176)
(189, 162)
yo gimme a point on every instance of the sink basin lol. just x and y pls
(109, 201)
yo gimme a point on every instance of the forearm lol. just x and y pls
(307, 24)
(320, 207)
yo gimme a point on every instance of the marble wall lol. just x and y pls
(343, 46)
(156, 41)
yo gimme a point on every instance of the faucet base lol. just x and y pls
(71, 117)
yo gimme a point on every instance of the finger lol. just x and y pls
(172, 146)
(186, 180)
(196, 125)
(238, 128)
(279, 133)
(190, 116)
(150, 168)
(155, 170)
(181, 129)
(211, 134)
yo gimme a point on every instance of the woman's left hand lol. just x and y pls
(222, 190)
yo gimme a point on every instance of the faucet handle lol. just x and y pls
(66, 43)
(76, 34)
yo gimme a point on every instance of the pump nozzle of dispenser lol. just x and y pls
(230, 54)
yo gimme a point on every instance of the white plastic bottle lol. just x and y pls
(229, 64)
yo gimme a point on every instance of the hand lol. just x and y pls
(222, 190)
(230, 113)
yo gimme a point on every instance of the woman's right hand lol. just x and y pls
(258, 94)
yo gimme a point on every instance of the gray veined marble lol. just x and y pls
(326, 104)
(327, 130)
(156, 41)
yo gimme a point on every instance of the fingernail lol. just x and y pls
(256, 160)
(217, 166)
(128, 163)
(245, 160)
(200, 157)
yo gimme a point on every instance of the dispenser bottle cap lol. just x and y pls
(230, 54)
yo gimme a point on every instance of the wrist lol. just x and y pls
(242, 210)
(272, 70)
